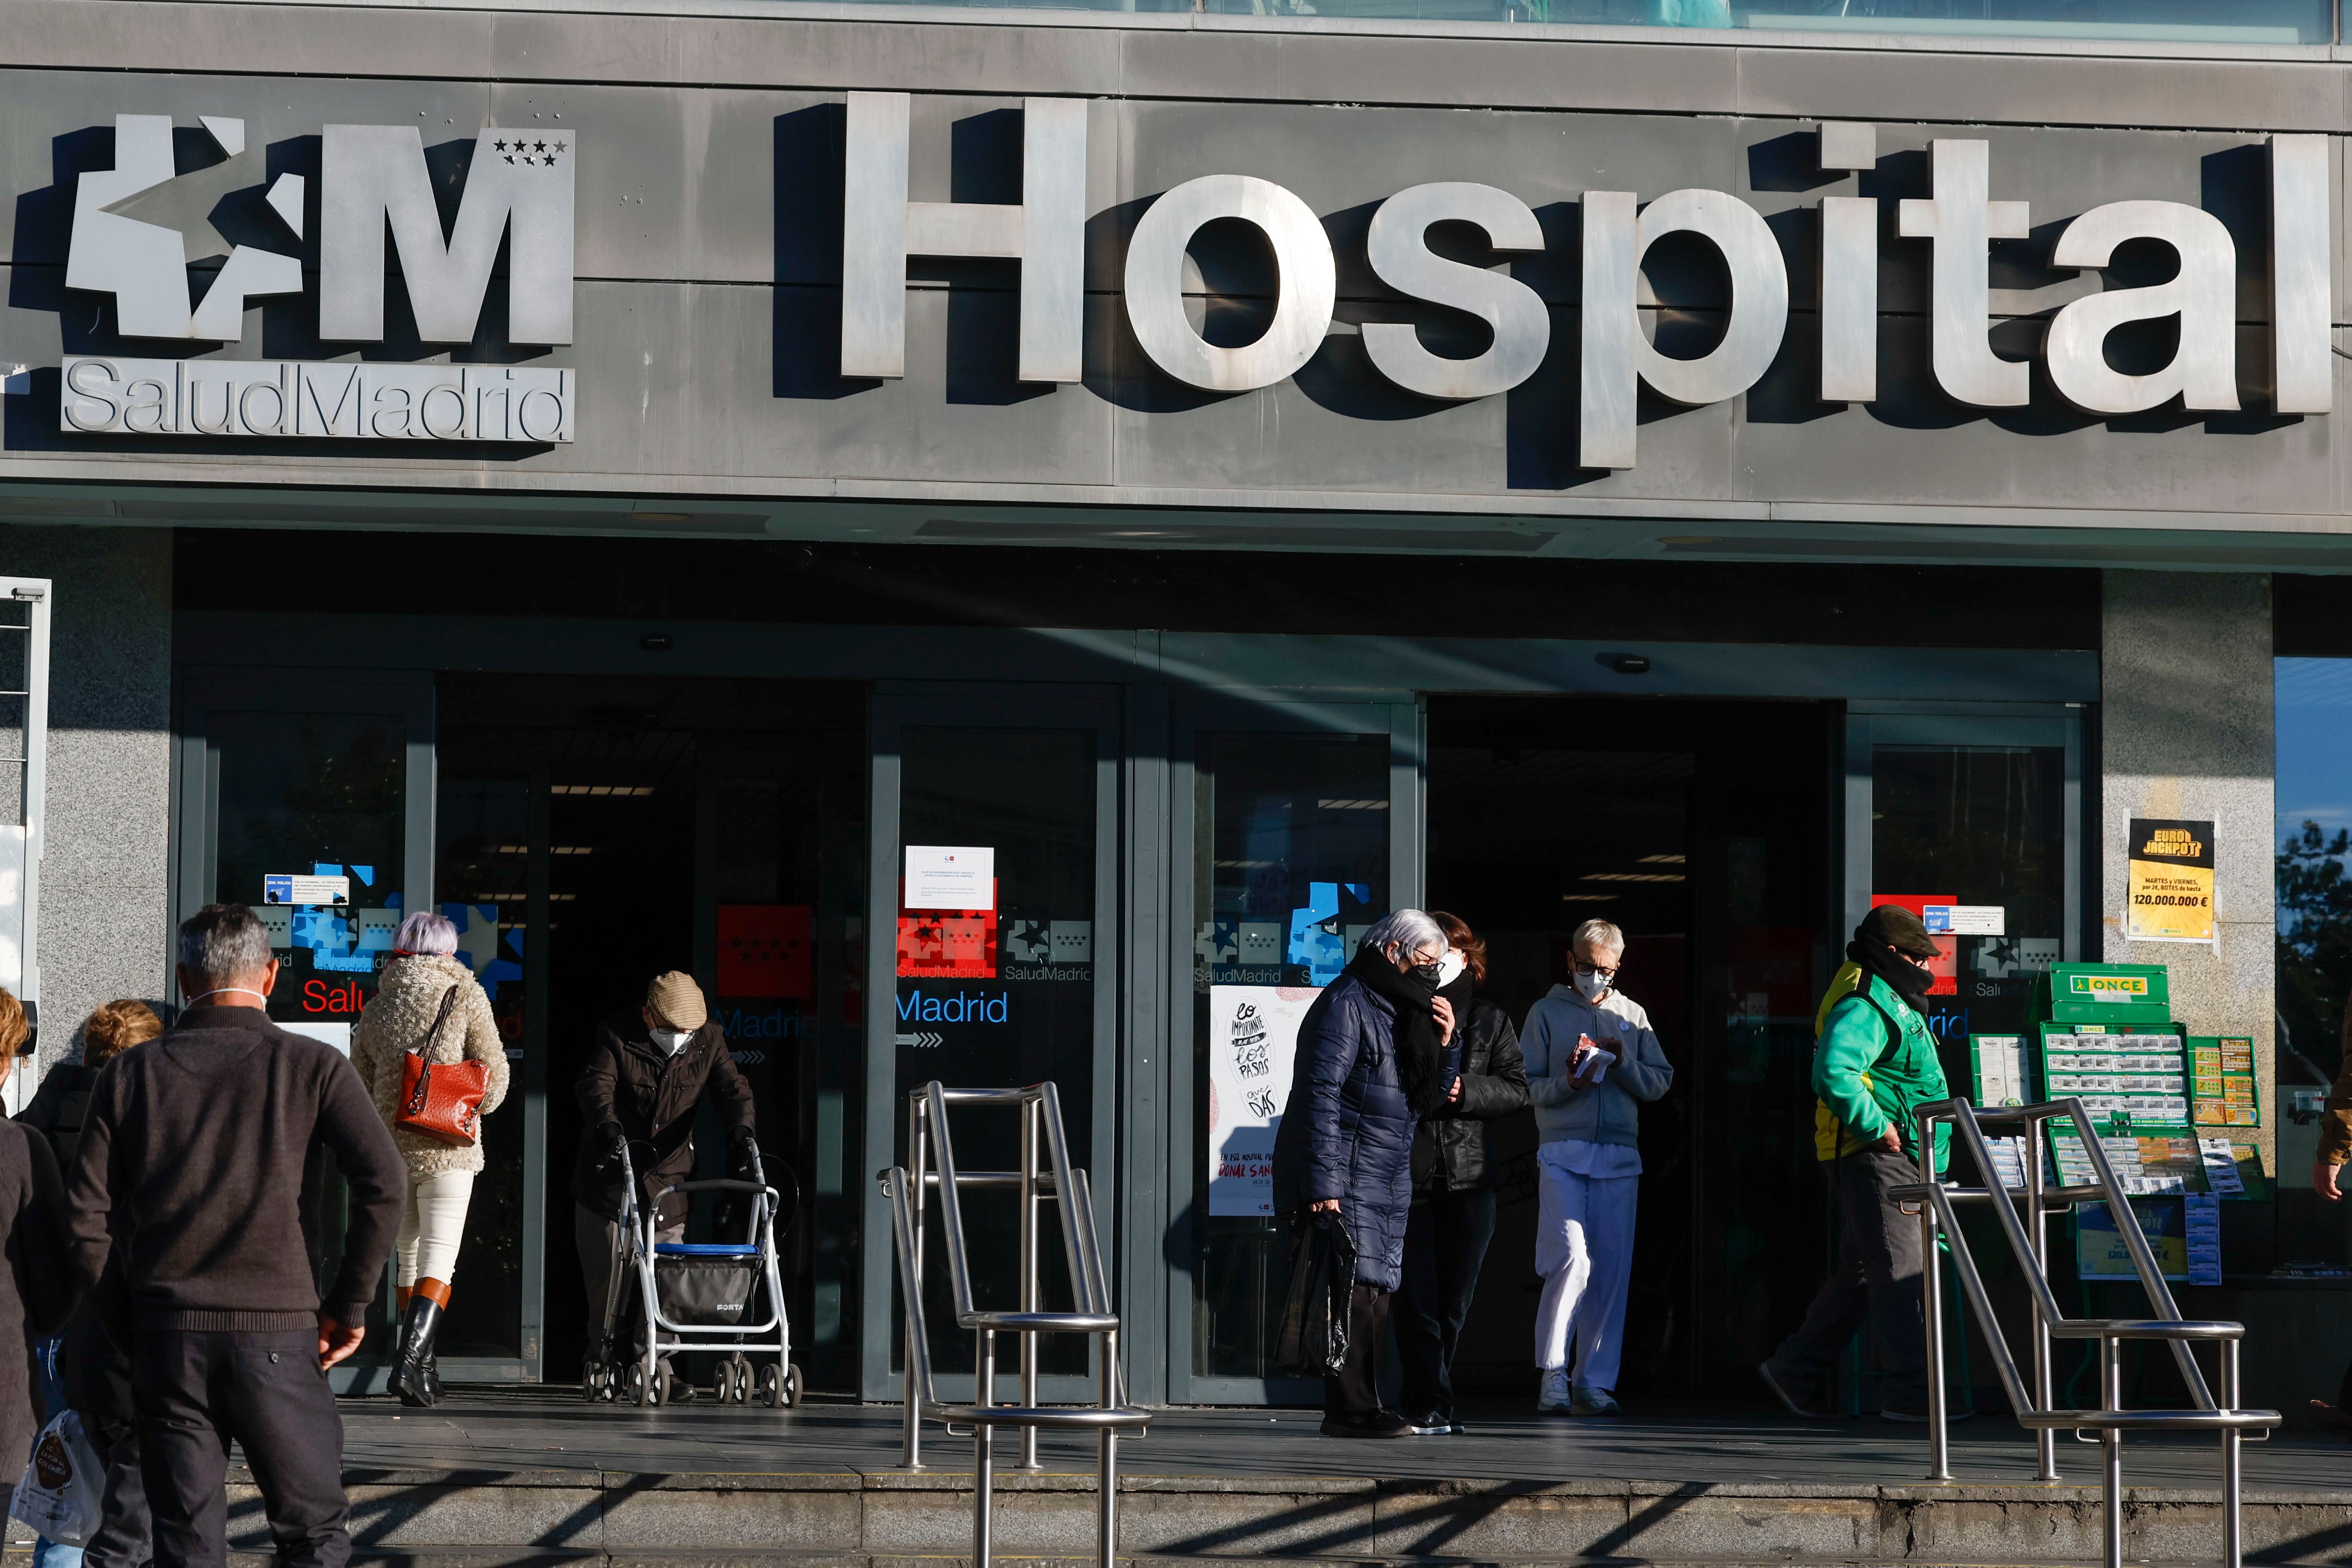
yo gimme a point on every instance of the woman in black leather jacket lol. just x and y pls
(1453, 1214)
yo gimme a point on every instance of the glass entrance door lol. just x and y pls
(1292, 831)
(1982, 810)
(995, 834)
(320, 783)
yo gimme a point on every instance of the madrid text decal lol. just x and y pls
(372, 178)
(1047, 233)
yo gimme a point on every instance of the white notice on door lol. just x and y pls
(1965, 920)
(292, 887)
(949, 876)
(1253, 1036)
(337, 1035)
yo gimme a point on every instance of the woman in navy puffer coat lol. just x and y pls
(1366, 1070)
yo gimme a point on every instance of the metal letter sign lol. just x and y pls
(2203, 294)
(1618, 356)
(1963, 220)
(1047, 234)
(371, 174)
(1307, 283)
(2302, 307)
(1398, 248)
(519, 187)
(145, 266)
(1616, 351)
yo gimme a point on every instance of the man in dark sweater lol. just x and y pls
(190, 1172)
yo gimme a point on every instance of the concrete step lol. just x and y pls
(893, 1520)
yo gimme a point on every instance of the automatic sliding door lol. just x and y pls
(312, 800)
(1978, 810)
(996, 832)
(1297, 830)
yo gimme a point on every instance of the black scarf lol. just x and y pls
(1420, 1059)
(1909, 980)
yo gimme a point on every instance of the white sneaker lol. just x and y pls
(1551, 1399)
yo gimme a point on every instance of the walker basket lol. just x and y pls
(710, 1286)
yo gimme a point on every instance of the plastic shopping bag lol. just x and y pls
(1312, 1339)
(63, 1492)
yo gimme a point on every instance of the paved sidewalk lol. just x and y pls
(509, 1431)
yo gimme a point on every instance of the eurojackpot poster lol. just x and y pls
(2169, 892)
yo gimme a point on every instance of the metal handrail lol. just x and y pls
(2034, 1407)
(930, 1154)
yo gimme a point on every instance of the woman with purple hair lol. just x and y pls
(407, 1013)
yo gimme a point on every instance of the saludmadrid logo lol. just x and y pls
(372, 178)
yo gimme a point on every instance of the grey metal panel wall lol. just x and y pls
(1213, 58)
(709, 209)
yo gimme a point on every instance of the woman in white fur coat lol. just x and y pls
(423, 970)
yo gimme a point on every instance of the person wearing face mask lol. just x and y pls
(648, 1072)
(1371, 1062)
(1592, 1059)
(1874, 1065)
(1453, 1172)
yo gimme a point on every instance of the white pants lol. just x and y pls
(1584, 1251)
(433, 1225)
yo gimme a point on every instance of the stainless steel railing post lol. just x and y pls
(2029, 1245)
(2111, 1440)
(1107, 1462)
(910, 1442)
(1046, 1174)
(983, 1452)
(1939, 1468)
(1028, 1264)
(2233, 1544)
(2045, 1440)
(2143, 1257)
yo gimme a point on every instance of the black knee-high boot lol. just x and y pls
(415, 1377)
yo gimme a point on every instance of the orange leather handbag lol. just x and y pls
(441, 1099)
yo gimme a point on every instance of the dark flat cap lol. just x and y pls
(1899, 929)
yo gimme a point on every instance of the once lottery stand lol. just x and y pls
(2171, 1111)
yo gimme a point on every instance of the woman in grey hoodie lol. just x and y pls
(1592, 1058)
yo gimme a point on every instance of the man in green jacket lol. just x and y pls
(1874, 1064)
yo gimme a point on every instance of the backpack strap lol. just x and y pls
(1894, 1026)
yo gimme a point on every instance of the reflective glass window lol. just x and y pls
(2219, 22)
(1291, 846)
(2314, 835)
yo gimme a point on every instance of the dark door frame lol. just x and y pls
(202, 691)
(1405, 724)
(897, 707)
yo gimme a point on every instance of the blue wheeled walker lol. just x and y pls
(721, 1296)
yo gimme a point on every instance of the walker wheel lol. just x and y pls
(740, 1379)
(663, 1386)
(793, 1387)
(633, 1383)
(771, 1386)
(591, 1381)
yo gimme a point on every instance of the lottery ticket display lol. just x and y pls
(2222, 1081)
(2129, 1082)
(2146, 1167)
